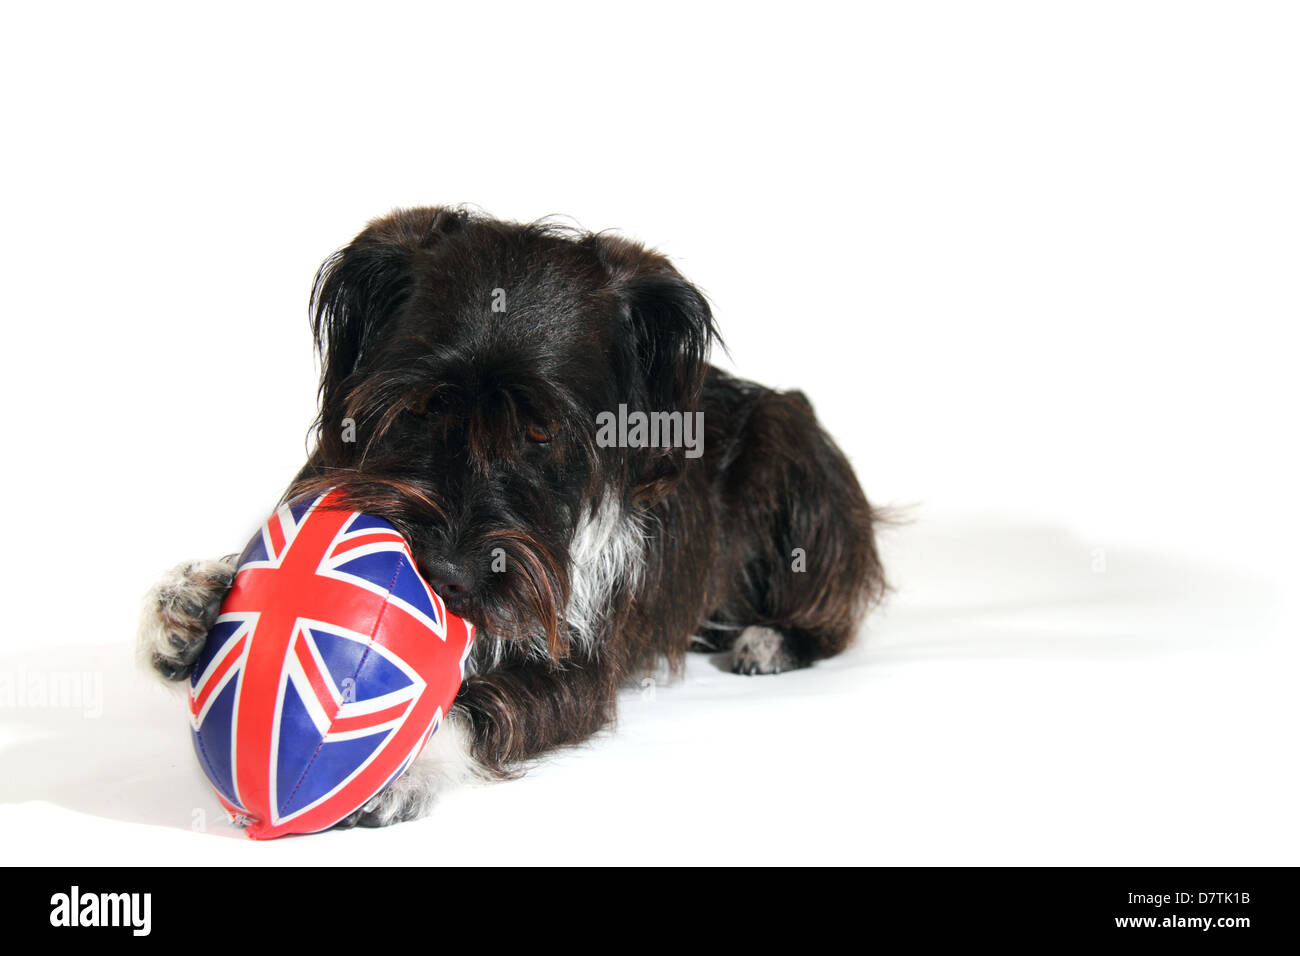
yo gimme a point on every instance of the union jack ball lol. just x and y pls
(330, 666)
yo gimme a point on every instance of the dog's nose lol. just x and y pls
(452, 582)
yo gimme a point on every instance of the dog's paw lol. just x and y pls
(179, 611)
(761, 650)
(401, 802)
(445, 763)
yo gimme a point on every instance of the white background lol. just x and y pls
(1035, 264)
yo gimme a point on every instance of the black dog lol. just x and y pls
(533, 409)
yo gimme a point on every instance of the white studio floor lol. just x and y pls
(1020, 699)
(1033, 264)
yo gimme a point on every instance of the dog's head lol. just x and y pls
(465, 362)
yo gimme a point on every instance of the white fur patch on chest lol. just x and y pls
(608, 550)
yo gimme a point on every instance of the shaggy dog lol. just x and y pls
(532, 407)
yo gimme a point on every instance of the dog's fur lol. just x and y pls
(473, 356)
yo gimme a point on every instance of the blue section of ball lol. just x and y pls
(212, 743)
(344, 658)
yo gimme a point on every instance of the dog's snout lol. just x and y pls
(453, 581)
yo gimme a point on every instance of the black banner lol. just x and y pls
(1231, 907)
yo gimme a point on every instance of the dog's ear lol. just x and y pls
(360, 287)
(668, 321)
(670, 329)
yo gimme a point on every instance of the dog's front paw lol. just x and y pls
(406, 799)
(761, 650)
(179, 611)
(445, 763)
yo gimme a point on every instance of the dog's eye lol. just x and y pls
(417, 403)
(539, 433)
